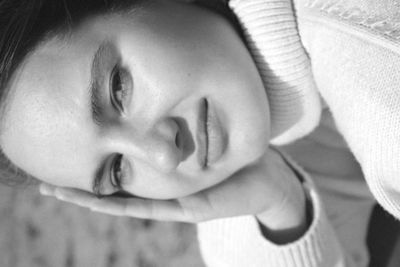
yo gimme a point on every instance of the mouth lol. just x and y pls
(211, 138)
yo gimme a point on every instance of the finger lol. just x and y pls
(188, 209)
(165, 210)
(75, 196)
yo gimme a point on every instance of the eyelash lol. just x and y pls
(119, 84)
(116, 172)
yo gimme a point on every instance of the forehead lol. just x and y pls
(47, 120)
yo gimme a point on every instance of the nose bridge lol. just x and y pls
(155, 144)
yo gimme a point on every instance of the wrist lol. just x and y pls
(285, 228)
(287, 220)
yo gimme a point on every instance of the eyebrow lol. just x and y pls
(96, 88)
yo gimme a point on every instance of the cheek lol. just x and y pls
(148, 183)
(249, 125)
(250, 140)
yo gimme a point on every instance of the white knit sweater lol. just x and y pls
(353, 48)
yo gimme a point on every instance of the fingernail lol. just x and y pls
(45, 190)
(94, 209)
(94, 206)
(58, 194)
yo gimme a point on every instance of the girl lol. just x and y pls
(162, 102)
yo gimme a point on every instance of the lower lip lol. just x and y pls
(216, 137)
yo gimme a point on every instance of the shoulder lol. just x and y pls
(373, 18)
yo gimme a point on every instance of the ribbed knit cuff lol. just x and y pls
(239, 242)
(271, 32)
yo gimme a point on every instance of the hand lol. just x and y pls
(268, 189)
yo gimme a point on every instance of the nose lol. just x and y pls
(159, 145)
(162, 144)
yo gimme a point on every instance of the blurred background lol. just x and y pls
(38, 231)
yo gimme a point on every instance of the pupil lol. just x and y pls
(117, 170)
(117, 87)
(117, 81)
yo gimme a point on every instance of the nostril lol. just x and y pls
(184, 138)
(178, 140)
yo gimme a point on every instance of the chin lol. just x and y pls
(240, 158)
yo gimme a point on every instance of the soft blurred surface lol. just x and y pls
(41, 231)
(37, 231)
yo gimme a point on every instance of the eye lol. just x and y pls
(116, 172)
(120, 87)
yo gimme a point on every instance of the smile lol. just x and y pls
(211, 138)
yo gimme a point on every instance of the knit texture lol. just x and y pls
(272, 37)
(355, 53)
(238, 242)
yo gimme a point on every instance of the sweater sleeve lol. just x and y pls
(238, 241)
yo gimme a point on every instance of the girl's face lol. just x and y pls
(162, 102)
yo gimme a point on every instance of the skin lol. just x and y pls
(173, 63)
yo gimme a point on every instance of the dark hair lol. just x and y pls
(25, 23)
